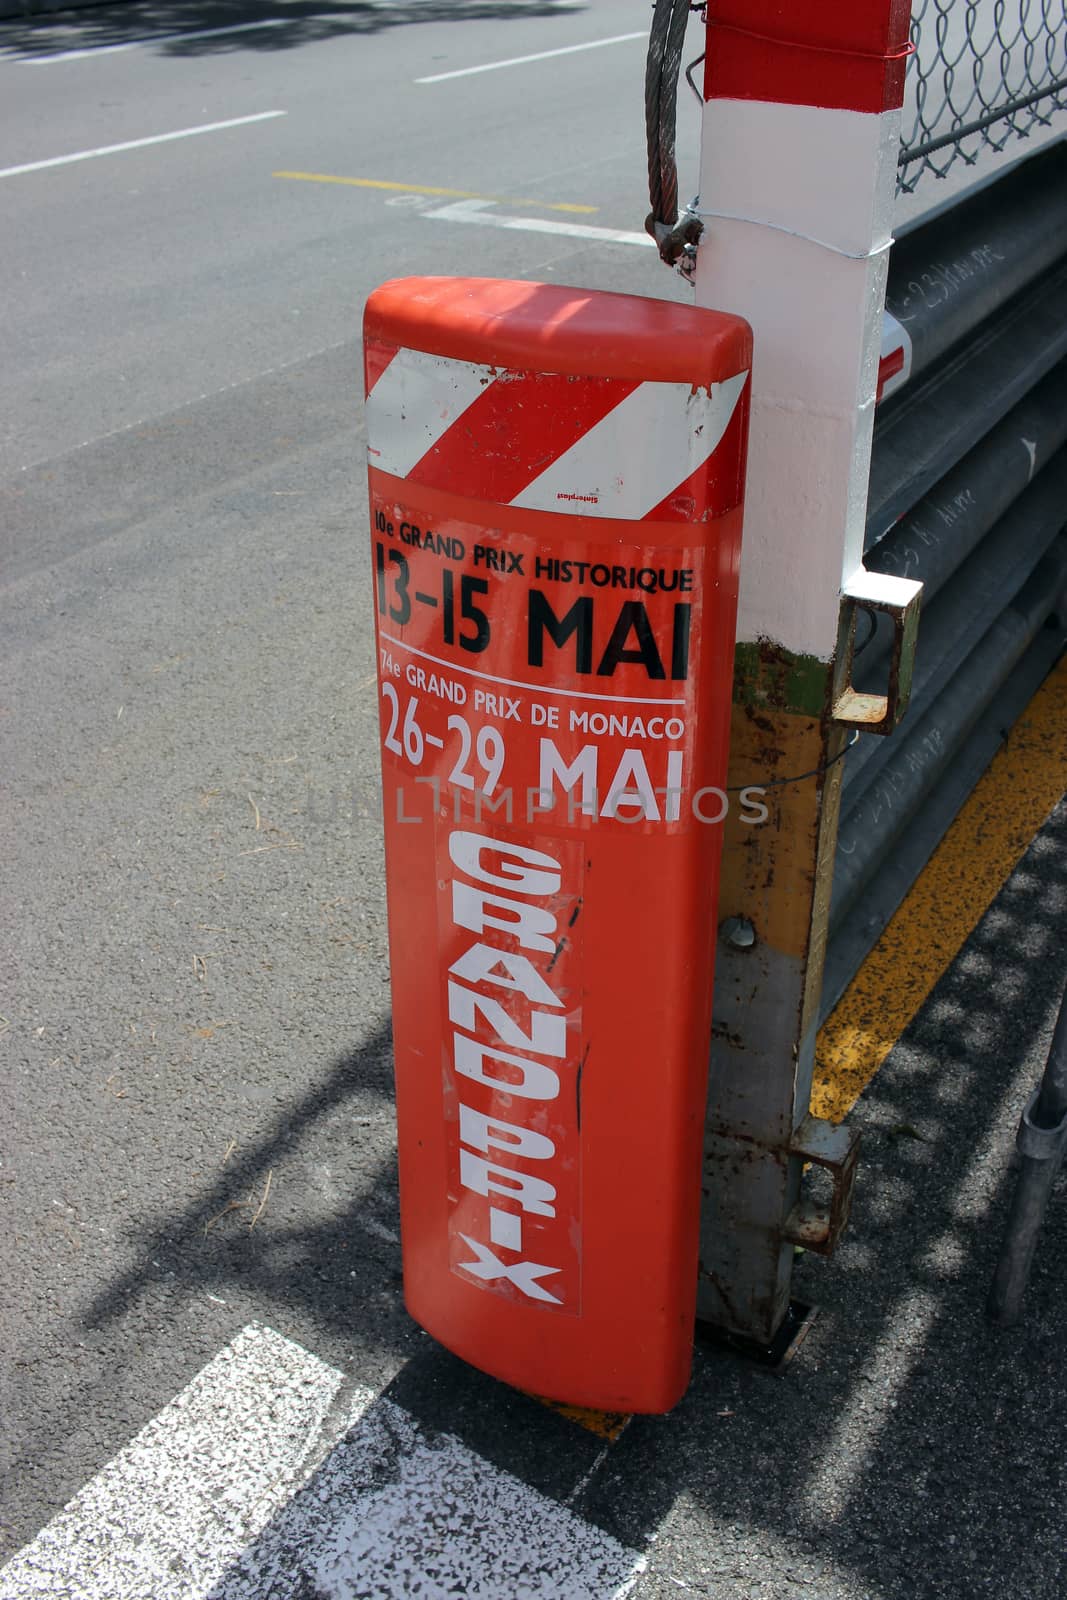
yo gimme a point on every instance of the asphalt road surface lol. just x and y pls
(195, 1014)
(199, 999)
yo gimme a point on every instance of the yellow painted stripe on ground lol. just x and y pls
(421, 188)
(1025, 780)
(605, 1424)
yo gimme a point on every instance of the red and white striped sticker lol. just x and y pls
(894, 365)
(543, 441)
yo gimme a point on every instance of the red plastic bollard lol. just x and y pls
(556, 478)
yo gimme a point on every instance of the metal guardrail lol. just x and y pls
(968, 494)
(981, 290)
(951, 273)
(955, 621)
(984, 72)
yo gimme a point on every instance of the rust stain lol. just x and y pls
(720, 1032)
(774, 866)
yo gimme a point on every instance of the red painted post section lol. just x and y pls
(846, 54)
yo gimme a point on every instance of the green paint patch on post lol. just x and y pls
(769, 677)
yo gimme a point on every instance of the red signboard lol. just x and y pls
(555, 483)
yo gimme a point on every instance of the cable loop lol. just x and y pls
(674, 237)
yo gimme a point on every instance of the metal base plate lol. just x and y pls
(774, 1357)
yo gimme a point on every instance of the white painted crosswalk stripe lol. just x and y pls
(266, 1478)
(393, 1514)
(170, 1513)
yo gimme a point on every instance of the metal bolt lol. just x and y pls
(738, 933)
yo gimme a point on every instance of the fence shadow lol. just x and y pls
(913, 1450)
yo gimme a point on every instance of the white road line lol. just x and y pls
(478, 211)
(159, 38)
(260, 1480)
(138, 144)
(541, 55)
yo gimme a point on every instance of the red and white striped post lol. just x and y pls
(798, 178)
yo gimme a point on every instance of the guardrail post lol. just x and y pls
(798, 177)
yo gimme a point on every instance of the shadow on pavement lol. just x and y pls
(203, 1247)
(284, 24)
(913, 1450)
(910, 1451)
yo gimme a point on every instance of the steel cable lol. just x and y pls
(665, 47)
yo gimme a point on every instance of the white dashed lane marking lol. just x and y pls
(139, 144)
(538, 55)
(265, 1475)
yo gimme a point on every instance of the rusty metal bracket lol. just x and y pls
(834, 1147)
(900, 599)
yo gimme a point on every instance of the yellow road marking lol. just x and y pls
(605, 1424)
(421, 188)
(1025, 780)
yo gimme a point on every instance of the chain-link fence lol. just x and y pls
(984, 72)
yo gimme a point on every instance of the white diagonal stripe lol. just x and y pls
(260, 1481)
(415, 401)
(644, 448)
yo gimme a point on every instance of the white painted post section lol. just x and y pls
(800, 173)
